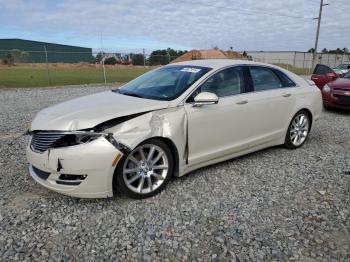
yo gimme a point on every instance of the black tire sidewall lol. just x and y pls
(119, 183)
(288, 142)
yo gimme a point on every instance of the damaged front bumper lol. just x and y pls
(85, 170)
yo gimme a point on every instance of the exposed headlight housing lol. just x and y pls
(326, 89)
(76, 138)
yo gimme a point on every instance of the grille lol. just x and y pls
(343, 100)
(41, 141)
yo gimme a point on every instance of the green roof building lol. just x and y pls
(27, 51)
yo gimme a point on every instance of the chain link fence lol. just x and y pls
(54, 68)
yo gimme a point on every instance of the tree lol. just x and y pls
(110, 61)
(324, 50)
(311, 50)
(137, 59)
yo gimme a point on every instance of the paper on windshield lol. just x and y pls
(190, 69)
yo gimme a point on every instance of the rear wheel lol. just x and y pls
(146, 170)
(298, 130)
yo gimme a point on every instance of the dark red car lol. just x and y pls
(335, 90)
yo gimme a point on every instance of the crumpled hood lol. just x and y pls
(89, 111)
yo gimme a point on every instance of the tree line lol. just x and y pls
(157, 57)
(339, 51)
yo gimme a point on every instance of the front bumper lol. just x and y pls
(337, 100)
(91, 163)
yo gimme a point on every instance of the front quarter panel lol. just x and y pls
(166, 123)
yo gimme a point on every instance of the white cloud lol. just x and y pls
(243, 24)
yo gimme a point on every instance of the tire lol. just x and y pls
(298, 130)
(144, 166)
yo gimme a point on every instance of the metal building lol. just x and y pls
(27, 51)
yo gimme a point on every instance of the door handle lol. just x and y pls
(286, 95)
(242, 102)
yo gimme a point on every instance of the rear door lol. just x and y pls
(273, 98)
(319, 75)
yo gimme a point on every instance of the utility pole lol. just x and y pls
(317, 32)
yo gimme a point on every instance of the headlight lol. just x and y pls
(76, 138)
(326, 89)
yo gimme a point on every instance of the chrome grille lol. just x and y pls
(43, 140)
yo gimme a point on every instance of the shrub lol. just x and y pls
(110, 61)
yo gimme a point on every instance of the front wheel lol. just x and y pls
(298, 130)
(146, 170)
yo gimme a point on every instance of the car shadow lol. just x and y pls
(339, 111)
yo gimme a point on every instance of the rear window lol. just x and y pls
(322, 70)
(266, 78)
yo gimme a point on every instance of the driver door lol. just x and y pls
(320, 77)
(218, 129)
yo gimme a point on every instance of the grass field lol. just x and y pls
(36, 75)
(295, 70)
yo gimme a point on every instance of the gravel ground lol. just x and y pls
(276, 204)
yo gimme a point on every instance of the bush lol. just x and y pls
(137, 59)
(110, 61)
(8, 60)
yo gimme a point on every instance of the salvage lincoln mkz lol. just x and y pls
(167, 123)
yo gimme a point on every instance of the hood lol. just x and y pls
(89, 111)
(340, 83)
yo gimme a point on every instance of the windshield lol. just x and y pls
(165, 83)
(340, 67)
(347, 75)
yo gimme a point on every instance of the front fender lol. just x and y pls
(168, 123)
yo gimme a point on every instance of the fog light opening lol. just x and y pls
(71, 180)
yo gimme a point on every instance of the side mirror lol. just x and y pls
(205, 98)
(331, 75)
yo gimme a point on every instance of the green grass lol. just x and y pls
(37, 76)
(295, 70)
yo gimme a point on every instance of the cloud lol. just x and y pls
(243, 24)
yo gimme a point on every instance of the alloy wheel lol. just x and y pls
(299, 129)
(145, 169)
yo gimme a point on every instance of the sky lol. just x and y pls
(131, 25)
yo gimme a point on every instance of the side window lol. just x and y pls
(286, 81)
(264, 78)
(227, 82)
(322, 70)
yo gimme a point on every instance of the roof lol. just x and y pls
(208, 54)
(40, 42)
(218, 63)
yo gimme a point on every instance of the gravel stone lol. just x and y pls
(272, 205)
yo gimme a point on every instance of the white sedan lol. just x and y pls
(168, 122)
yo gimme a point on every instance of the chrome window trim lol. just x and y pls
(183, 102)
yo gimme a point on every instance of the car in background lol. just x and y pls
(168, 122)
(342, 69)
(335, 89)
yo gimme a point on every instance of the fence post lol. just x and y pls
(104, 69)
(295, 54)
(47, 67)
(144, 58)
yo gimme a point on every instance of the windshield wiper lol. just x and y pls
(130, 94)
